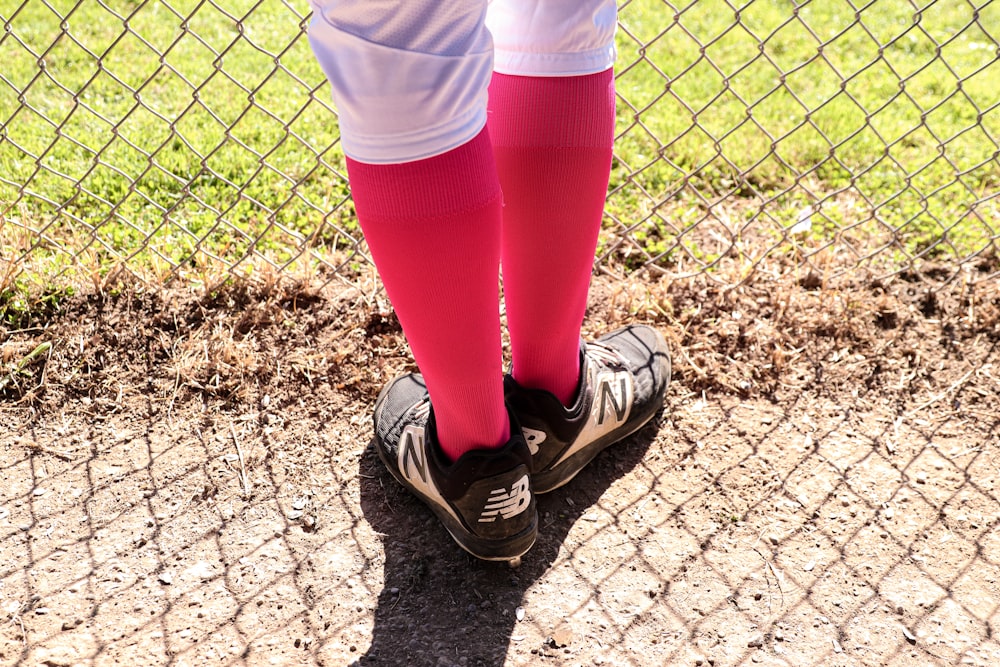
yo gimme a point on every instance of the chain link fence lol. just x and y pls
(168, 138)
(844, 512)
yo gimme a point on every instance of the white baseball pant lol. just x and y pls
(409, 78)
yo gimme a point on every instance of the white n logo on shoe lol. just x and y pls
(412, 461)
(411, 458)
(612, 404)
(613, 396)
(507, 503)
(613, 392)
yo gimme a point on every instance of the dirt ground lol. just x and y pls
(187, 480)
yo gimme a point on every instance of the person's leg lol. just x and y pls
(409, 79)
(552, 125)
(433, 228)
(551, 120)
(552, 137)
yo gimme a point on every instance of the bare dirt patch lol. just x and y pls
(187, 480)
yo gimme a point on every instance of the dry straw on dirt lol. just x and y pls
(186, 481)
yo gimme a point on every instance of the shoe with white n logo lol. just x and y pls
(623, 379)
(485, 499)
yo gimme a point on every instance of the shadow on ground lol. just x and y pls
(441, 606)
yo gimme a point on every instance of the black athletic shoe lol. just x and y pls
(624, 377)
(485, 499)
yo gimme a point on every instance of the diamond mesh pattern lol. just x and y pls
(171, 136)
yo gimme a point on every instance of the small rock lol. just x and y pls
(837, 648)
(910, 637)
(808, 567)
(921, 477)
(39, 491)
(899, 609)
(41, 611)
(519, 613)
(71, 623)
(200, 570)
(166, 578)
(562, 636)
(756, 641)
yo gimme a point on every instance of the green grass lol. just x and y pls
(896, 104)
(192, 137)
(198, 133)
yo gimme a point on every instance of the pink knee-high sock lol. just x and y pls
(552, 137)
(433, 228)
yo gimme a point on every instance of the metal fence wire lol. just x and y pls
(167, 136)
